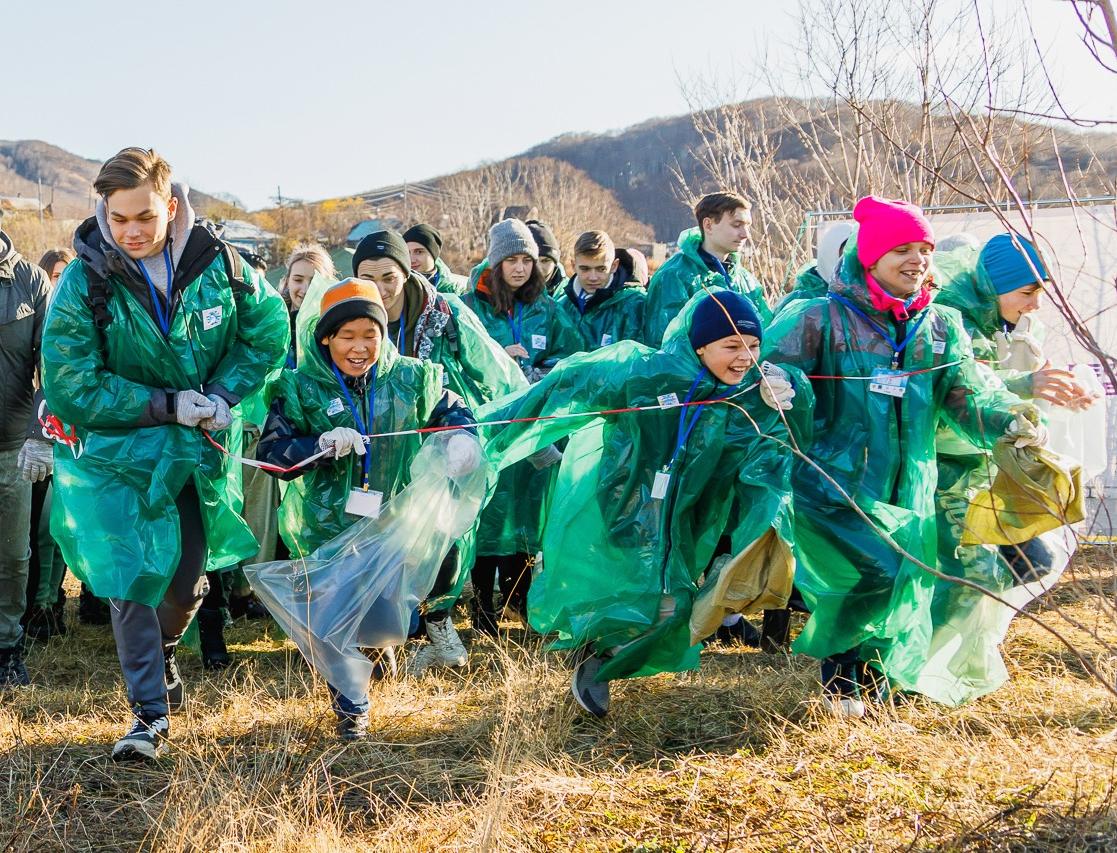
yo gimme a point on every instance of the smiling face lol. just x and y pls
(903, 270)
(355, 346)
(422, 261)
(298, 282)
(516, 270)
(389, 280)
(727, 234)
(1016, 303)
(139, 219)
(730, 358)
(593, 272)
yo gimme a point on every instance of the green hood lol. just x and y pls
(965, 285)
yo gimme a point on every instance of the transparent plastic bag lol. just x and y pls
(1081, 436)
(359, 589)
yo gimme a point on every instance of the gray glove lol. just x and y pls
(36, 459)
(221, 419)
(545, 458)
(191, 408)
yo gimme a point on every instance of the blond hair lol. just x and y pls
(317, 255)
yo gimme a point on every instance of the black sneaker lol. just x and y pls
(742, 631)
(13, 671)
(92, 610)
(211, 635)
(145, 739)
(352, 726)
(247, 606)
(176, 692)
(591, 695)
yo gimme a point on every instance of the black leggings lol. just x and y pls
(513, 574)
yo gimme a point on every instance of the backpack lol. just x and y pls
(99, 292)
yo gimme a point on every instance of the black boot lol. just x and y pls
(92, 610)
(41, 624)
(13, 671)
(211, 633)
(247, 606)
(483, 615)
(775, 631)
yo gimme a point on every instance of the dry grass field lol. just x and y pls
(734, 757)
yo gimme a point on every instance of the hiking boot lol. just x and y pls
(13, 671)
(444, 649)
(145, 740)
(742, 631)
(211, 635)
(42, 624)
(384, 665)
(92, 610)
(352, 727)
(247, 606)
(775, 632)
(591, 695)
(483, 618)
(176, 692)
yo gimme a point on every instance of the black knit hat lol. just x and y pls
(722, 314)
(544, 239)
(383, 244)
(426, 237)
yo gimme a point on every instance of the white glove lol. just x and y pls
(191, 408)
(775, 386)
(342, 440)
(220, 419)
(1020, 350)
(545, 458)
(463, 455)
(36, 459)
(1023, 433)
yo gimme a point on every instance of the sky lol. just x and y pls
(331, 97)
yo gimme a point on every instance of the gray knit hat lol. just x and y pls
(510, 237)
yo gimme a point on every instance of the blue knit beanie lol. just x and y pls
(709, 322)
(1007, 265)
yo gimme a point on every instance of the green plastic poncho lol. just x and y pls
(619, 317)
(511, 522)
(620, 568)
(683, 275)
(968, 626)
(402, 395)
(880, 451)
(808, 285)
(114, 514)
(448, 282)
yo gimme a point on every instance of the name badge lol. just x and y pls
(659, 485)
(891, 383)
(938, 347)
(666, 401)
(606, 340)
(335, 407)
(538, 341)
(364, 503)
(211, 318)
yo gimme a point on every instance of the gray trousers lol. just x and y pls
(145, 635)
(15, 548)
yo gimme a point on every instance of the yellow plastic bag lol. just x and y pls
(759, 578)
(1034, 491)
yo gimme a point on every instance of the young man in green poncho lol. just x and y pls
(597, 299)
(440, 328)
(424, 243)
(709, 255)
(643, 497)
(352, 383)
(156, 335)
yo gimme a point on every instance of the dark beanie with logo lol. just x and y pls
(426, 237)
(722, 314)
(383, 244)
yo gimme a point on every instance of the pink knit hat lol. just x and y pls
(886, 224)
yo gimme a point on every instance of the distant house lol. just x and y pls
(245, 235)
(362, 229)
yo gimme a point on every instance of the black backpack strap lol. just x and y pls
(97, 289)
(234, 269)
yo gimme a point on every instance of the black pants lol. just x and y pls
(513, 574)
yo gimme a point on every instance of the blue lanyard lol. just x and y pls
(436, 276)
(897, 348)
(401, 338)
(162, 317)
(517, 327)
(688, 419)
(582, 302)
(721, 269)
(365, 460)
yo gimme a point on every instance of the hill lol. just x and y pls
(67, 179)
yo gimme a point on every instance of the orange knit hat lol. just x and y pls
(347, 300)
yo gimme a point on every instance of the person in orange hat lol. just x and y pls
(352, 383)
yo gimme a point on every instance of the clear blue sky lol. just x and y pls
(327, 97)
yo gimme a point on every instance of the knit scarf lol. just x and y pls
(902, 309)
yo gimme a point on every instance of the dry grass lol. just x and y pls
(735, 757)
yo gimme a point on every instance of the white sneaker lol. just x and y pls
(850, 709)
(444, 649)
